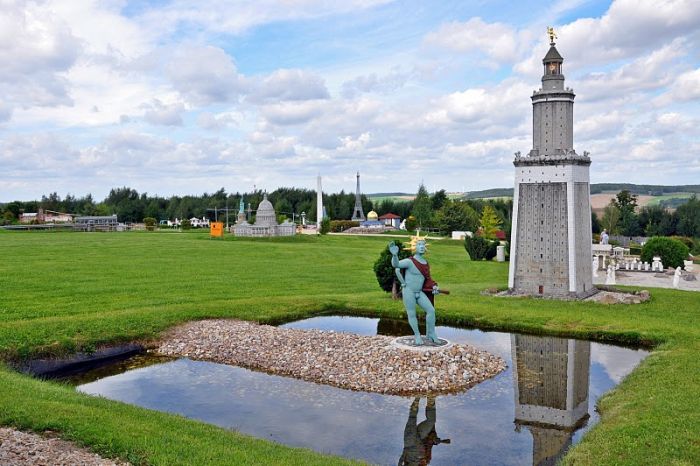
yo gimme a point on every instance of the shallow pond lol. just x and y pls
(530, 413)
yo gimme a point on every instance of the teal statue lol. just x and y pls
(418, 288)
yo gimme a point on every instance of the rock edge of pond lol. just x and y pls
(344, 360)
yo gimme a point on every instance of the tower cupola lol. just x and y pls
(552, 78)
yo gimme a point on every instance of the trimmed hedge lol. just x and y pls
(337, 226)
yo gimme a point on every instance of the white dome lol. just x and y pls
(265, 216)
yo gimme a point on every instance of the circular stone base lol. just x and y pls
(408, 343)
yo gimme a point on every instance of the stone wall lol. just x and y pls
(552, 126)
(542, 246)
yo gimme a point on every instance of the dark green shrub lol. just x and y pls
(185, 224)
(411, 223)
(384, 271)
(635, 250)
(150, 223)
(671, 251)
(336, 226)
(325, 226)
(480, 248)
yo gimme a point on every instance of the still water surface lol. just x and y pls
(529, 414)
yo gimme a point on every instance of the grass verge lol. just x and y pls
(63, 292)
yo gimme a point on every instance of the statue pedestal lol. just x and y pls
(408, 343)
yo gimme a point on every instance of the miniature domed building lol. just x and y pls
(265, 223)
(266, 216)
(372, 221)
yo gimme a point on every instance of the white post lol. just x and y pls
(319, 204)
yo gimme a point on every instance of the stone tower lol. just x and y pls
(551, 230)
(357, 213)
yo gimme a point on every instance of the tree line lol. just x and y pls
(623, 216)
(427, 211)
(432, 212)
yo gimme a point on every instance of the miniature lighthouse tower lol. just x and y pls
(551, 233)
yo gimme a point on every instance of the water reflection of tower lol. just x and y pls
(551, 391)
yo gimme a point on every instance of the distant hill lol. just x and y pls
(645, 189)
(494, 192)
(598, 188)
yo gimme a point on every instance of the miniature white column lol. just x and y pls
(610, 277)
(677, 277)
(595, 266)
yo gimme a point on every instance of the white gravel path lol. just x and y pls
(343, 360)
(21, 448)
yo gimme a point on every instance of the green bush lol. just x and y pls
(150, 223)
(185, 224)
(384, 271)
(336, 226)
(671, 251)
(325, 226)
(635, 250)
(480, 248)
(411, 223)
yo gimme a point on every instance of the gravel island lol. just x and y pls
(343, 360)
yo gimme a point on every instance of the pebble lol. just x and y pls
(345, 360)
(21, 448)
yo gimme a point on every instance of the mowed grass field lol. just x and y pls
(63, 292)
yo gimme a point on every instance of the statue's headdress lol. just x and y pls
(411, 245)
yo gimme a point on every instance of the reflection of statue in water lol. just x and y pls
(418, 288)
(420, 438)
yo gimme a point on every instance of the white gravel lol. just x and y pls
(343, 360)
(20, 448)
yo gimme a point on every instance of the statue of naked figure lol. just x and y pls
(417, 287)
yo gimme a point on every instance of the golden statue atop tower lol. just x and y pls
(552, 35)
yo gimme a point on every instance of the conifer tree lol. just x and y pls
(490, 223)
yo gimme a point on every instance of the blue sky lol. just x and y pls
(184, 97)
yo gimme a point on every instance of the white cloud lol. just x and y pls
(685, 87)
(204, 74)
(649, 72)
(292, 113)
(372, 82)
(158, 113)
(212, 121)
(497, 41)
(36, 46)
(102, 30)
(239, 16)
(287, 84)
(628, 28)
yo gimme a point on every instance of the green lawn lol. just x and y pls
(60, 292)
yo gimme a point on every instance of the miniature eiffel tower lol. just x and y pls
(357, 213)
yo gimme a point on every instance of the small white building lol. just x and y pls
(199, 222)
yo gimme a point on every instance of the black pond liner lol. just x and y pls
(529, 414)
(79, 363)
